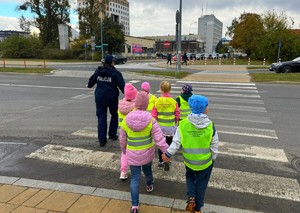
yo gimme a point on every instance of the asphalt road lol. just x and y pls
(38, 110)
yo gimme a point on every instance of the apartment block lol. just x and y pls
(118, 10)
(210, 30)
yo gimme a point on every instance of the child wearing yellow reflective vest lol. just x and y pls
(146, 87)
(125, 106)
(199, 141)
(138, 136)
(166, 113)
(182, 101)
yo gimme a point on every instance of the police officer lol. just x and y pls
(109, 81)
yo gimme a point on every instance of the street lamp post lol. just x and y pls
(194, 22)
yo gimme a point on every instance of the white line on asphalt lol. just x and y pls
(246, 131)
(221, 94)
(47, 87)
(12, 143)
(218, 89)
(82, 96)
(249, 151)
(224, 179)
(244, 118)
(238, 108)
(236, 100)
(38, 109)
(133, 81)
(214, 83)
(220, 86)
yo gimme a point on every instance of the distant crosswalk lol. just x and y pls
(242, 122)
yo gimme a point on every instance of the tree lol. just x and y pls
(247, 31)
(47, 15)
(113, 35)
(89, 17)
(277, 33)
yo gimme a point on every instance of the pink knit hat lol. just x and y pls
(130, 91)
(146, 87)
(141, 101)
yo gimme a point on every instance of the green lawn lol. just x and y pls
(25, 70)
(276, 77)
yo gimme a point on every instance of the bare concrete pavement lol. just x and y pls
(213, 73)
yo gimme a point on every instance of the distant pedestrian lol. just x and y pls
(199, 141)
(169, 58)
(185, 58)
(138, 136)
(109, 81)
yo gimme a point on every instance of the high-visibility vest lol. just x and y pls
(165, 111)
(196, 145)
(151, 103)
(121, 117)
(138, 140)
(184, 108)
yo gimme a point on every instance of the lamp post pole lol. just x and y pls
(102, 52)
(178, 23)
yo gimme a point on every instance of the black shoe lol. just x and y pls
(102, 143)
(166, 166)
(114, 138)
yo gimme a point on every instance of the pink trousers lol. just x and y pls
(124, 165)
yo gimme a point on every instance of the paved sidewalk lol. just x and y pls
(21, 195)
(214, 73)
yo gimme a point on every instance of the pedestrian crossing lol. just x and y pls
(246, 134)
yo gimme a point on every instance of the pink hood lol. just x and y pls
(125, 106)
(137, 121)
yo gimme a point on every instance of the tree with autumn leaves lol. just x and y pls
(261, 35)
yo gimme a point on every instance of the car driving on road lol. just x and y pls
(286, 66)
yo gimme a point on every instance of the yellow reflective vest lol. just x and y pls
(121, 117)
(196, 145)
(138, 140)
(165, 111)
(151, 103)
(184, 108)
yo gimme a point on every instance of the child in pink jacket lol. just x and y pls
(125, 106)
(138, 136)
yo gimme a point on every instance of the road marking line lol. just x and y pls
(47, 87)
(219, 94)
(246, 131)
(247, 118)
(216, 83)
(82, 96)
(218, 89)
(224, 179)
(226, 148)
(249, 151)
(12, 143)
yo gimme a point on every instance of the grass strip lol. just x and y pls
(276, 77)
(25, 70)
(165, 73)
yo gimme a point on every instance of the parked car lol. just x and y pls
(286, 66)
(161, 55)
(191, 56)
(202, 56)
(120, 59)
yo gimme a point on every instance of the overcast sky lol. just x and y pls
(157, 17)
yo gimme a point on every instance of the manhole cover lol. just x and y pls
(296, 164)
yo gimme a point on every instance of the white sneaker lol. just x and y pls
(123, 176)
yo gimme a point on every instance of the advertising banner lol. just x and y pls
(137, 48)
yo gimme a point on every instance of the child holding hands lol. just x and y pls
(199, 141)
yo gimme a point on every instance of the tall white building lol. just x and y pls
(210, 29)
(117, 9)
